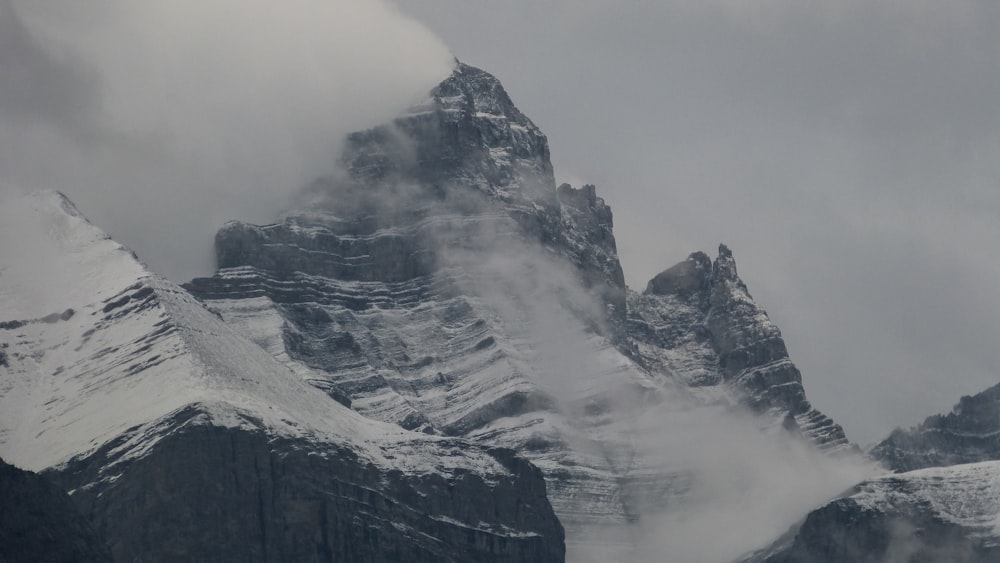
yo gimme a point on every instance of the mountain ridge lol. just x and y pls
(141, 369)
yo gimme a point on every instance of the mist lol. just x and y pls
(163, 120)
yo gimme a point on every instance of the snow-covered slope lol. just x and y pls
(104, 360)
(935, 515)
(127, 347)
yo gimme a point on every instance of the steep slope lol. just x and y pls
(444, 283)
(40, 524)
(182, 440)
(969, 433)
(936, 515)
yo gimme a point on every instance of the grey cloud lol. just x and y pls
(162, 120)
(37, 83)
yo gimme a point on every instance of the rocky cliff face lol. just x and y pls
(40, 524)
(444, 283)
(183, 440)
(969, 433)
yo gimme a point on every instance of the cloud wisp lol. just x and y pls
(162, 120)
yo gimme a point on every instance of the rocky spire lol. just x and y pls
(724, 268)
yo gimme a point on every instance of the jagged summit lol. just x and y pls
(474, 91)
(725, 266)
(468, 132)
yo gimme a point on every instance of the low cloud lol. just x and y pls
(161, 120)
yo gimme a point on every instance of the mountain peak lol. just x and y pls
(467, 132)
(472, 90)
(44, 235)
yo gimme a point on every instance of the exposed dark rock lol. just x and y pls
(40, 524)
(691, 277)
(969, 433)
(213, 494)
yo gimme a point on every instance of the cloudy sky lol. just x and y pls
(848, 152)
(162, 120)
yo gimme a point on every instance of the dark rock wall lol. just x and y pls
(40, 524)
(213, 494)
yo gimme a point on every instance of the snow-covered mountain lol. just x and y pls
(436, 358)
(444, 283)
(182, 440)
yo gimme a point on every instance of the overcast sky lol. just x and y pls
(848, 151)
